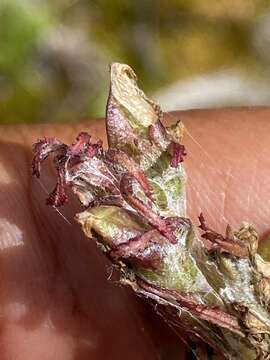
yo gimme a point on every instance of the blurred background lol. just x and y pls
(54, 54)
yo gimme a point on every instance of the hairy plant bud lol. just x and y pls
(213, 287)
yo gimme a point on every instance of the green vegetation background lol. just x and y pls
(54, 54)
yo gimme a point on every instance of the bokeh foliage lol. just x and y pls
(54, 54)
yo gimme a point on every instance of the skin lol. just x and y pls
(56, 301)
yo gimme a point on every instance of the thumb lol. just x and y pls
(228, 166)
